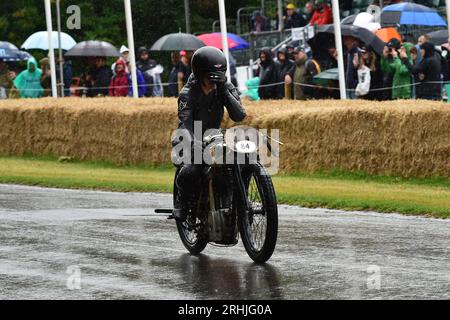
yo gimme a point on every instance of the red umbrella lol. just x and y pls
(215, 40)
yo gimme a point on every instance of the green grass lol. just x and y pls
(337, 189)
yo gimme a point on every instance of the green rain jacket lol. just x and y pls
(29, 83)
(402, 78)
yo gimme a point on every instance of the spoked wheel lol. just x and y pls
(259, 226)
(188, 230)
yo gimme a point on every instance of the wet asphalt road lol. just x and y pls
(68, 244)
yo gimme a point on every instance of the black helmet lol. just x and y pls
(210, 62)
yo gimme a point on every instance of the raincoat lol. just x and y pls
(268, 75)
(401, 76)
(119, 83)
(29, 83)
(142, 87)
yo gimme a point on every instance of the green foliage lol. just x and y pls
(105, 19)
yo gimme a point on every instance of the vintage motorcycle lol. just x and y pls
(235, 197)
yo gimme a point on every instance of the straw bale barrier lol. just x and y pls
(407, 138)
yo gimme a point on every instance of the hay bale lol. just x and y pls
(407, 138)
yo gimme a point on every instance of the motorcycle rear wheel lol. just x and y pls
(191, 240)
(259, 226)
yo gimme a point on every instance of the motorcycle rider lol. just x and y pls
(203, 99)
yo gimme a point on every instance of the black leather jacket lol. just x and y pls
(194, 105)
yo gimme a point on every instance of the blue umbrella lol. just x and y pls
(242, 44)
(406, 13)
(9, 52)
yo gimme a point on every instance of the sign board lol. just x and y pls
(298, 34)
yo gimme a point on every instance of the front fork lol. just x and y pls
(241, 187)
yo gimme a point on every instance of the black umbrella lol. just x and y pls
(362, 34)
(93, 48)
(177, 42)
(9, 52)
(438, 37)
(349, 20)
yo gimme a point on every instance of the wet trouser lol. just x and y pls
(189, 180)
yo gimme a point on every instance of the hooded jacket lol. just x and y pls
(401, 84)
(145, 66)
(29, 83)
(142, 88)
(430, 67)
(283, 69)
(118, 86)
(268, 75)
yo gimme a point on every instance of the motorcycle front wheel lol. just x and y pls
(259, 225)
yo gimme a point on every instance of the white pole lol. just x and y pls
(340, 52)
(223, 29)
(447, 7)
(280, 15)
(48, 17)
(132, 56)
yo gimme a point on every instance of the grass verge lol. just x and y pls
(337, 189)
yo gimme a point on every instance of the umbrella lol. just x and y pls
(177, 42)
(215, 40)
(9, 52)
(362, 34)
(93, 48)
(438, 37)
(386, 34)
(349, 20)
(327, 75)
(39, 40)
(406, 13)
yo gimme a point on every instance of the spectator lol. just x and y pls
(100, 78)
(429, 72)
(292, 18)
(322, 14)
(185, 67)
(363, 87)
(268, 75)
(6, 80)
(391, 63)
(351, 71)
(309, 10)
(298, 74)
(145, 64)
(290, 51)
(259, 22)
(284, 67)
(46, 76)
(376, 76)
(125, 53)
(157, 89)
(142, 87)
(345, 5)
(67, 75)
(119, 82)
(173, 74)
(422, 39)
(252, 89)
(415, 60)
(28, 82)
